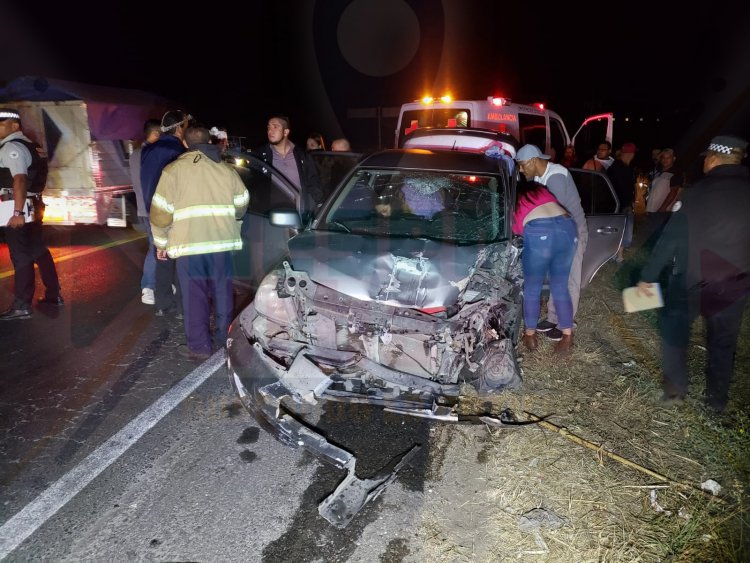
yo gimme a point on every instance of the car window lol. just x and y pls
(558, 139)
(604, 222)
(459, 207)
(267, 187)
(597, 195)
(333, 167)
(432, 117)
(533, 130)
(263, 244)
(589, 137)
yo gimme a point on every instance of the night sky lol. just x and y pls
(234, 63)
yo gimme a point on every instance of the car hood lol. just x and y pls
(418, 273)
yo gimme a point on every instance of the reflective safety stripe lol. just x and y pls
(204, 211)
(242, 199)
(160, 242)
(203, 247)
(159, 201)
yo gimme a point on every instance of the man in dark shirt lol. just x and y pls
(707, 243)
(293, 162)
(623, 179)
(154, 158)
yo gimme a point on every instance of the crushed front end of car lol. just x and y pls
(368, 314)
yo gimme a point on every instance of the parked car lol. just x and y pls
(406, 284)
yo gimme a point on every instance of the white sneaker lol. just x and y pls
(147, 296)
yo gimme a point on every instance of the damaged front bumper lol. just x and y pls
(262, 394)
(259, 382)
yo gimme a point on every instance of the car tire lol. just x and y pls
(500, 368)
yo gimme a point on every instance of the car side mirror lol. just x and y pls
(285, 218)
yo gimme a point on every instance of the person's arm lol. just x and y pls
(19, 199)
(161, 215)
(675, 189)
(241, 197)
(671, 245)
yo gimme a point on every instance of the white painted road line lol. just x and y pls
(43, 507)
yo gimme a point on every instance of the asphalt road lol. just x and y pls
(113, 447)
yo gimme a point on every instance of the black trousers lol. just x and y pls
(166, 277)
(722, 308)
(26, 248)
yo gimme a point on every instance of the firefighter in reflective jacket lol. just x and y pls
(195, 216)
(23, 174)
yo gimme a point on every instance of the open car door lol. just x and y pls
(263, 245)
(605, 222)
(592, 131)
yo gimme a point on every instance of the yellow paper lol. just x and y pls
(633, 301)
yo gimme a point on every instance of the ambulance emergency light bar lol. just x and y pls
(497, 101)
(427, 100)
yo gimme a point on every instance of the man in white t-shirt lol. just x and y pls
(602, 159)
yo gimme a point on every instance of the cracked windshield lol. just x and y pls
(461, 208)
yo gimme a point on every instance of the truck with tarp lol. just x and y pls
(87, 133)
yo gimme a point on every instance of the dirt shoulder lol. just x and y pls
(645, 504)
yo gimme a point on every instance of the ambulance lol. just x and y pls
(533, 123)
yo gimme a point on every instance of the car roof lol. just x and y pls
(423, 159)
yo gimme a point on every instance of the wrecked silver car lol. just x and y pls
(405, 287)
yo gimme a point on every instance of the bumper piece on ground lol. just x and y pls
(353, 493)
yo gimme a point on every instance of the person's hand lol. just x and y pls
(161, 254)
(16, 222)
(644, 289)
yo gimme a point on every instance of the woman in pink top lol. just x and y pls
(549, 244)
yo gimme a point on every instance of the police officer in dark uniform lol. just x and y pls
(707, 243)
(23, 174)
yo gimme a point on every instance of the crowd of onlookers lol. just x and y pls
(698, 244)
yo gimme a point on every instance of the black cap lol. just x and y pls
(9, 113)
(726, 144)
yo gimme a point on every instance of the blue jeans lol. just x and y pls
(549, 244)
(148, 280)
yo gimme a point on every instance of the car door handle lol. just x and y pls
(607, 230)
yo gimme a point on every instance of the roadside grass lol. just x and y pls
(606, 394)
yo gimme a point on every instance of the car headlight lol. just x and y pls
(268, 303)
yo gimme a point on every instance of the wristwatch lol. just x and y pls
(18, 213)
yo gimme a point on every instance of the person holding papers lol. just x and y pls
(706, 242)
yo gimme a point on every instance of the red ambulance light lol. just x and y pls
(540, 105)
